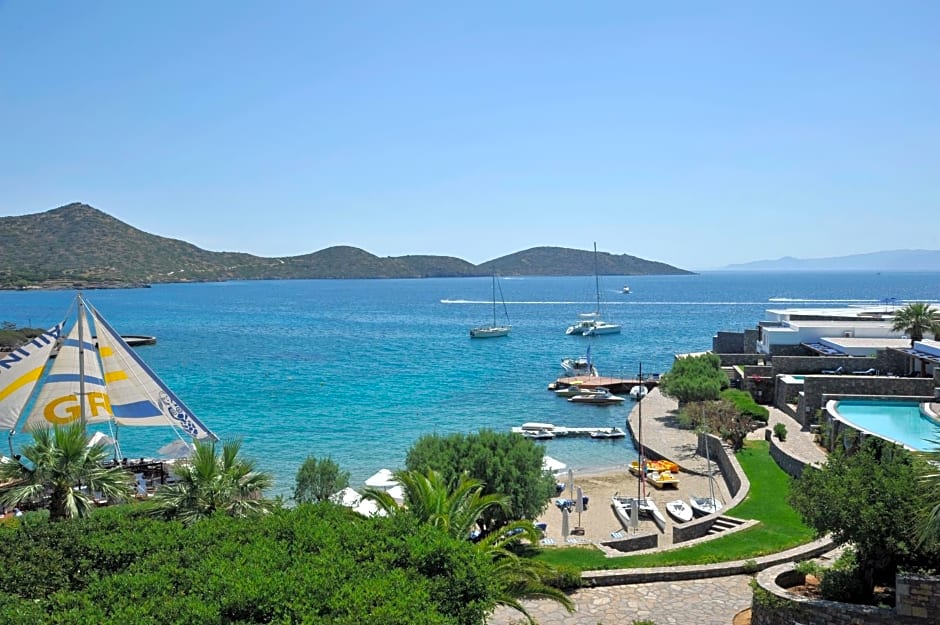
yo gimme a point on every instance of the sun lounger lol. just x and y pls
(836, 371)
(865, 372)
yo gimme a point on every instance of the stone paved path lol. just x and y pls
(712, 601)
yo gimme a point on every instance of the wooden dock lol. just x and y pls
(617, 386)
(561, 430)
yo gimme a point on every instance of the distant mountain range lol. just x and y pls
(79, 246)
(893, 260)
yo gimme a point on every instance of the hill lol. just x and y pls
(78, 245)
(892, 260)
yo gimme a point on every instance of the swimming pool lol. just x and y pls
(900, 421)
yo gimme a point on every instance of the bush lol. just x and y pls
(745, 404)
(780, 431)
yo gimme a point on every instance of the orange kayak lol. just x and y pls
(655, 465)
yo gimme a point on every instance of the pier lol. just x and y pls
(561, 430)
(618, 386)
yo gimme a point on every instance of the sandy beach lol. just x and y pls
(599, 521)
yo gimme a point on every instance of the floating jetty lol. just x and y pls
(614, 385)
(561, 430)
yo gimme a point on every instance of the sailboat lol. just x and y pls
(93, 380)
(703, 506)
(492, 331)
(591, 324)
(628, 509)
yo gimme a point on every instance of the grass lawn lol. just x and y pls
(780, 527)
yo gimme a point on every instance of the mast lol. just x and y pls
(494, 300)
(597, 284)
(81, 359)
(641, 473)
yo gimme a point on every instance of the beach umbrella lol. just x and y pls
(564, 522)
(368, 508)
(397, 493)
(177, 449)
(552, 465)
(382, 479)
(579, 505)
(347, 497)
(99, 438)
(635, 514)
(570, 484)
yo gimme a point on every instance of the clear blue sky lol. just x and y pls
(698, 134)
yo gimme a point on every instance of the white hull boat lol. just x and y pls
(638, 392)
(703, 506)
(591, 324)
(611, 433)
(495, 330)
(575, 367)
(623, 509)
(679, 510)
(599, 397)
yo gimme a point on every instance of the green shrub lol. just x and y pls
(780, 431)
(567, 578)
(745, 404)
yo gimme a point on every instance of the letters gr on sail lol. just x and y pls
(95, 380)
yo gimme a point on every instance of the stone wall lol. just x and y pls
(735, 342)
(633, 543)
(730, 360)
(791, 465)
(818, 364)
(789, 350)
(917, 603)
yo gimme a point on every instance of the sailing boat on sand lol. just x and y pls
(92, 380)
(629, 509)
(591, 324)
(492, 331)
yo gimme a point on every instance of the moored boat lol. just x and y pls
(638, 392)
(611, 433)
(679, 510)
(494, 330)
(599, 396)
(623, 510)
(703, 506)
(662, 479)
(654, 465)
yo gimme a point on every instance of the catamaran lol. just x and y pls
(591, 324)
(94, 379)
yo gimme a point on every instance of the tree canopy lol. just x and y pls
(318, 480)
(869, 499)
(916, 319)
(310, 564)
(504, 463)
(694, 378)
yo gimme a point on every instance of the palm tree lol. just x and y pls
(214, 480)
(60, 463)
(457, 512)
(929, 526)
(915, 319)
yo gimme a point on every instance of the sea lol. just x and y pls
(357, 370)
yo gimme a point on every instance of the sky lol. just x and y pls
(694, 133)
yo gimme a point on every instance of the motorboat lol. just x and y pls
(538, 434)
(626, 289)
(703, 506)
(608, 433)
(679, 510)
(638, 392)
(575, 367)
(599, 396)
(662, 479)
(654, 465)
(623, 509)
(573, 389)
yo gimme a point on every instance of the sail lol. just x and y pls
(138, 396)
(74, 374)
(20, 370)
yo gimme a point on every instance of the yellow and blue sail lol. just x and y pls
(20, 370)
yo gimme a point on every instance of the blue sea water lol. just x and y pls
(359, 369)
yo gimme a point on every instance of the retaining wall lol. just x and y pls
(917, 603)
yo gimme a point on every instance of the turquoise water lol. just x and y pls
(358, 369)
(895, 420)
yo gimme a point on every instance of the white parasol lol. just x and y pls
(382, 479)
(564, 522)
(347, 497)
(177, 449)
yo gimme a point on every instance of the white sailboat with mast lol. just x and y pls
(494, 330)
(591, 324)
(92, 383)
